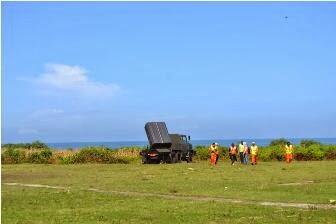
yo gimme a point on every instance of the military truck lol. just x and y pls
(164, 147)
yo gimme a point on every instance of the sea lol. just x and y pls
(223, 142)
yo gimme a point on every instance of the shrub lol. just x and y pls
(313, 152)
(223, 151)
(103, 155)
(40, 156)
(63, 157)
(309, 142)
(16, 146)
(202, 153)
(271, 153)
(91, 155)
(279, 141)
(38, 145)
(10, 156)
(131, 154)
(65, 160)
(316, 152)
(33, 145)
(264, 154)
(115, 158)
(330, 152)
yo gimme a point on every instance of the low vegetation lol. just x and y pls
(85, 155)
(307, 150)
(38, 152)
(276, 152)
(33, 145)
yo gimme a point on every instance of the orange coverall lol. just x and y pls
(254, 153)
(289, 153)
(213, 154)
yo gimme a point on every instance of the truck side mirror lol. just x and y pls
(189, 137)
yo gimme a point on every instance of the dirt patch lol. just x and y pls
(35, 185)
(298, 183)
(190, 198)
(221, 199)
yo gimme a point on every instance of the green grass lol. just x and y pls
(249, 183)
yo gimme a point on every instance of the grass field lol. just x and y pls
(168, 193)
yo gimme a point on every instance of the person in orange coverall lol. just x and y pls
(254, 153)
(289, 149)
(213, 149)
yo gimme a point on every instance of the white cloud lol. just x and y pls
(62, 77)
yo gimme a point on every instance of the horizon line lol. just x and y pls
(145, 140)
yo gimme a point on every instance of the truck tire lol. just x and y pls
(144, 160)
(178, 157)
(170, 158)
(189, 158)
(175, 158)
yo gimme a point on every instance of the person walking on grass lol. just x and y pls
(289, 150)
(246, 153)
(241, 151)
(254, 153)
(217, 151)
(233, 153)
(213, 150)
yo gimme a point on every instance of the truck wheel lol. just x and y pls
(189, 160)
(175, 158)
(170, 158)
(189, 157)
(178, 157)
(144, 160)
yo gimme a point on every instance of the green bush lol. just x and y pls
(131, 154)
(313, 152)
(38, 145)
(114, 157)
(309, 142)
(271, 153)
(223, 151)
(264, 154)
(202, 152)
(91, 155)
(11, 155)
(330, 152)
(99, 155)
(40, 156)
(16, 146)
(279, 141)
(66, 160)
(33, 145)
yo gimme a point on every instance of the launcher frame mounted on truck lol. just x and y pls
(165, 147)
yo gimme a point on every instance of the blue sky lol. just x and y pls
(99, 71)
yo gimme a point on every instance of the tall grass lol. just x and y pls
(85, 155)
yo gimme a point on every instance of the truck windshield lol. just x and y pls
(184, 138)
